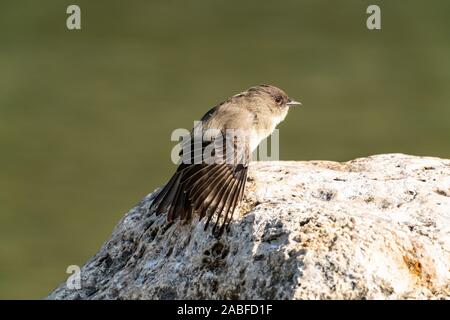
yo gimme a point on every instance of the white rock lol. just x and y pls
(372, 228)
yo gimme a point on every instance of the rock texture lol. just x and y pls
(371, 228)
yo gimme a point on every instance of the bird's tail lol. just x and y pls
(214, 190)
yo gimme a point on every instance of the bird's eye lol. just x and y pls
(278, 99)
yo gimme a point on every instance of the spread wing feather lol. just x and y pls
(210, 190)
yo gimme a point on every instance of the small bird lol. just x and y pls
(211, 177)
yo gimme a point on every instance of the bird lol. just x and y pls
(211, 176)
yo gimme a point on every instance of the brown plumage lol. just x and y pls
(212, 185)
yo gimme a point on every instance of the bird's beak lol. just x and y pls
(293, 103)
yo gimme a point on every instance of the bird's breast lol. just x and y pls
(257, 136)
(264, 128)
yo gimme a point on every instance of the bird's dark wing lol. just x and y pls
(212, 190)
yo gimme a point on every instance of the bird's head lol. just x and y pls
(273, 96)
(269, 100)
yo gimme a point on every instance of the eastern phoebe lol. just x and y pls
(211, 177)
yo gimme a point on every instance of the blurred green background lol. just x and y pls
(86, 116)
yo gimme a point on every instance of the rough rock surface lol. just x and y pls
(371, 228)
